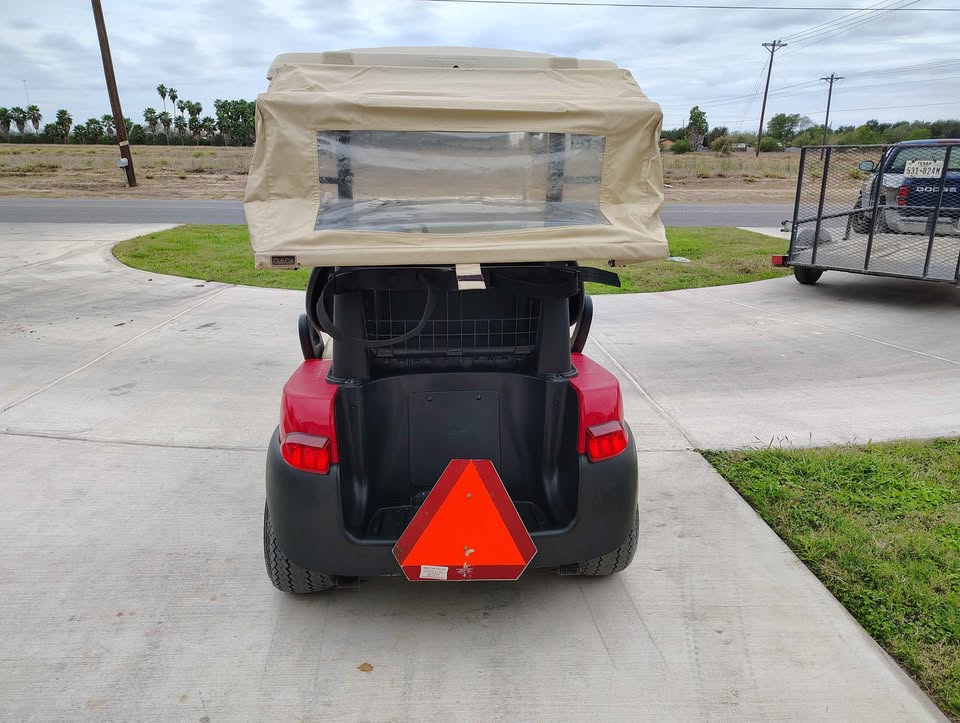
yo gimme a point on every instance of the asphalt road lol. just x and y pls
(84, 210)
(134, 409)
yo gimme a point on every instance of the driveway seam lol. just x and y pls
(836, 329)
(111, 351)
(61, 257)
(130, 443)
(663, 413)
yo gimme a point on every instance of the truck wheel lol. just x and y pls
(616, 560)
(807, 275)
(861, 223)
(285, 574)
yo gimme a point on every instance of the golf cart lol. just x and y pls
(445, 423)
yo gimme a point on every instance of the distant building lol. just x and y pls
(665, 144)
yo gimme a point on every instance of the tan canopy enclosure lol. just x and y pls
(453, 155)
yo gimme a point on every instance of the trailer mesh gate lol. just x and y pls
(899, 219)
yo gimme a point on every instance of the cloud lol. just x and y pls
(211, 49)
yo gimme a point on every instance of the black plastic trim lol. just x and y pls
(306, 514)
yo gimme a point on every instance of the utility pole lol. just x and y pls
(826, 120)
(126, 160)
(773, 48)
(26, 92)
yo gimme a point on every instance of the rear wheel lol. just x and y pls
(807, 275)
(285, 574)
(616, 560)
(861, 223)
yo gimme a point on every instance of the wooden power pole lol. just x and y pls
(826, 119)
(773, 48)
(126, 160)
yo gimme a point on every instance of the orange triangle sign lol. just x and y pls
(467, 529)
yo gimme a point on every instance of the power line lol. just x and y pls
(907, 68)
(876, 15)
(851, 110)
(672, 6)
(796, 36)
(774, 94)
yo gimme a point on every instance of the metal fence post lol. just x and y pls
(796, 203)
(936, 211)
(823, 196)
(876, 205)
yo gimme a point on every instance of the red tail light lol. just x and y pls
(902, 194)
(306, 452)
(605, 441)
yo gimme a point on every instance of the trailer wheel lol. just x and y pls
(616, 560)
(285, 574)
(807, 274)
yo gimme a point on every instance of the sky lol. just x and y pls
(210, 49)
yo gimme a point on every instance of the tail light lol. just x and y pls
(902, 194)
(306, 452)
(605, 441)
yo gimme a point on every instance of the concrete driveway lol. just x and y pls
(134, 409)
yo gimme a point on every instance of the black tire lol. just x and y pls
(616, 560)
(286, 575)
(861, 223)
(807, 275)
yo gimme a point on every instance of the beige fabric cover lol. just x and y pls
(283, 188)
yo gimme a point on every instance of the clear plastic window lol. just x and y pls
(457, 182)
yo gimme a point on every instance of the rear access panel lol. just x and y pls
(451, 425)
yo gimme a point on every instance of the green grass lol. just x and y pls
(222, 253)
(880, 526)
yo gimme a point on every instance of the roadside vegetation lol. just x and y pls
(716, 256)
(880, 526)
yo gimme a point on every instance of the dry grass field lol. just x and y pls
(215, 172)
(91, 171)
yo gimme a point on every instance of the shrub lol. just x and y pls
(768, 145)
(721, 144)
(681, 146)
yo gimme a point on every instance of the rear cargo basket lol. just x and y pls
(481, 325)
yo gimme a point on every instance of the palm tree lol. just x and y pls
(64, 121)
(5, 120)
(181, 104)
(107, 121)
(94, 130)
(19, 116)
(180, 124)
(165, 121)
(195, 127)
(34, 115)
(172, 92)
(151, 119)
(162, 90)
(209, 126)
(194, 109)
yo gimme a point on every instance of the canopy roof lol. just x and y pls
(453, 155)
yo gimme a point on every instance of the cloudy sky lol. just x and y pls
(211, 49)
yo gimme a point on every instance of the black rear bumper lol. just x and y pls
(307, 516)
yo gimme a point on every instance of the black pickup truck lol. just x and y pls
(910, 175)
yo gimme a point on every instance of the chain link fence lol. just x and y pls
(886, 210)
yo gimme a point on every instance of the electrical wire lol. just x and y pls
(820, 37)
(673, 6)
(797, 36)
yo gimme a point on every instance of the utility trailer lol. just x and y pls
(889, 210)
